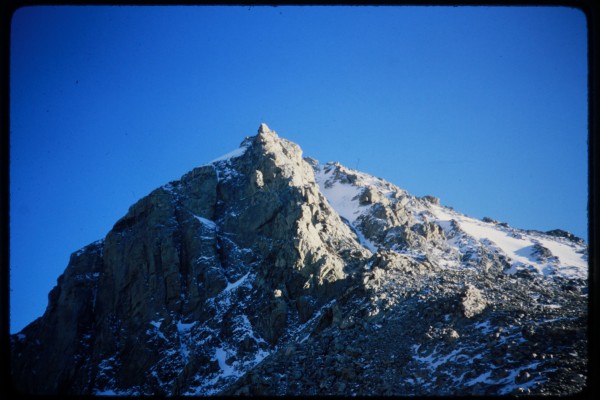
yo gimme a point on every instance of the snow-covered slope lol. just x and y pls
(547, 255)
(356, 195)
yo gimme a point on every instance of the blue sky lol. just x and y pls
(484, 107)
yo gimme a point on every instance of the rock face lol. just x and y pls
(264, 272)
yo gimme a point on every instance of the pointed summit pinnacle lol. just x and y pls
(264, 128)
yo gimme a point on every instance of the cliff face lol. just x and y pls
(264, 272)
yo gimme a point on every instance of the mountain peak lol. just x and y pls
(264, 128)
(266, 135)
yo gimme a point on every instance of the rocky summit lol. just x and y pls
(267, 273)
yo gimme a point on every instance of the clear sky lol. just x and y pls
(484, 107)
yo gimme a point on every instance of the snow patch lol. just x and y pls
(365, 242)
(343, 198)
(156, 324)
(184, 339)
(221, 357)
(232, 154)
(206, 222)
(184, 328)
(232, 286)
